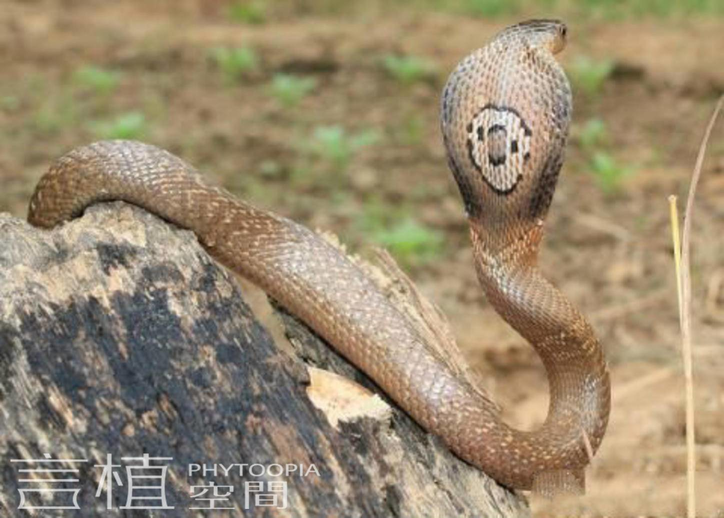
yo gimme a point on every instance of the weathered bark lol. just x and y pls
(120, 335)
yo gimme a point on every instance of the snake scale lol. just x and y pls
(505, 115)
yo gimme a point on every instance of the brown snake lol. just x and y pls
(505, 115)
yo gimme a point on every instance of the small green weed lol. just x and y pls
(609, 174)
(131, 125)
(55, 115)
(234, 63)
(252, 13)
(592, 135)
(100, 80)
(289, 90)
(412, 130)
(334, 145)
(409, 69)
(10, 103)
(271, 169)
(589, 75)
(410, 241)
(392, 226)
(619, 9)
(491, 8)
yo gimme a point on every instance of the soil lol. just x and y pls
(609, 251)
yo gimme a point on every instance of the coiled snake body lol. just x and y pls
(505, 115)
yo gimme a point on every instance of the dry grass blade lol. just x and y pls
(683, 275)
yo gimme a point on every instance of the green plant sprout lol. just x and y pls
(251, 13)
(592, 135)
(131, 125)
(234, 63)
(100, 80)
(589, 75)
(491, 8)
(410, 241)
(393, 226)
(10, 103)
(412, 130)
(409, 69)
(334, 145)
(609, 174)
(289, 90)
(55, 114)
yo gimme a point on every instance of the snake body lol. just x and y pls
(505, 115)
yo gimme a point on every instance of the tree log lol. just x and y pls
(120, 336)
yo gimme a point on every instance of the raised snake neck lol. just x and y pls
(505, 115)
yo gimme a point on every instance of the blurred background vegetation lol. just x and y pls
(327, 112)
(259, 11)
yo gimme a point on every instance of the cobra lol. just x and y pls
(505, 115)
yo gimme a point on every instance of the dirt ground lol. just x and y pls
(608, 245)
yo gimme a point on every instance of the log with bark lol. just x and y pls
(120, 336)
